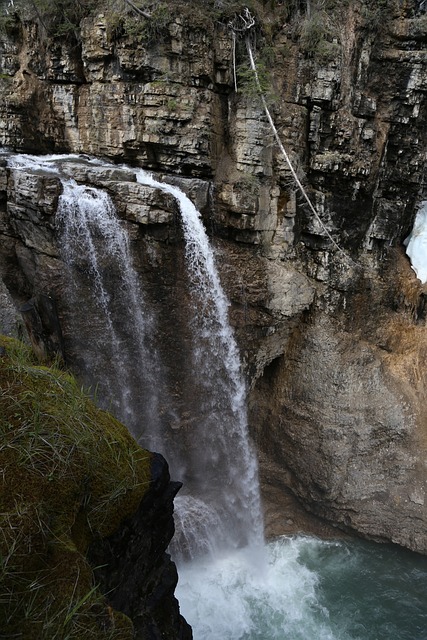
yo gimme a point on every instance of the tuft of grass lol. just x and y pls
(70, 473)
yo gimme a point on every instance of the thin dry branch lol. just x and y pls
(234, 62)
(139, 11)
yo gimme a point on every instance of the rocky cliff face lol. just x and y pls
(333, 340)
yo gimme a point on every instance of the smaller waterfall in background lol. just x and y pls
(220, 506)
(95, 248)
(416, 243)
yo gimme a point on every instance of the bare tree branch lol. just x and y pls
(142, 13)
(242, 22)
(234, 62)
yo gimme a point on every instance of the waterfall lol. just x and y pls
(222, 507)
(82, 211)
(305, 588)
(219, 506)
(416, 243)
(95, 248)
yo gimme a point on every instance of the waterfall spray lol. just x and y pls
(84, 212)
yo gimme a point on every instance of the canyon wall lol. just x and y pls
(332, 334)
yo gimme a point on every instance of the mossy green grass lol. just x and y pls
(70, 473)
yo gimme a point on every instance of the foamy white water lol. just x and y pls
(309, 589)
(233, 598)
(47, 163)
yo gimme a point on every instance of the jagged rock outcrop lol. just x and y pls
(132, 567)
(333, 345)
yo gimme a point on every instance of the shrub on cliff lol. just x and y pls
(70, 474)
(57, 17)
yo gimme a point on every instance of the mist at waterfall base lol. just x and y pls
(309, 589)
(231, 585)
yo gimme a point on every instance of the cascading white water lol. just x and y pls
(94, 243)
(220, 504)
(309, 589)
(226, 510)
(83, 211)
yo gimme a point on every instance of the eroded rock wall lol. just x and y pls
(332, 339)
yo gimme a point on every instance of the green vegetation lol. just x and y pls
(70, 473)
(315, 21)
(319, 28)
(145, 19)
(376, 14)
(172, 104)
(154, 29)
(58, 17)
(319, 37)
(247, 84)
